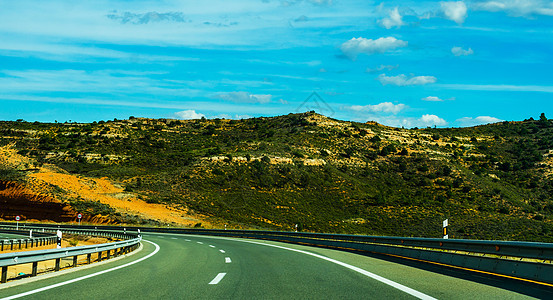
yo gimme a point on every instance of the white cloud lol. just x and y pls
(432, 120)
(468, 121)
(356, 46)
(394, 19)
(188, 115)
(384, 107)
(232, 117)
(458, 51)
(517, 8)
(244, 97)
(432, 99)
(455, 11)
(381, 67)
(402, 80)
(408, 122)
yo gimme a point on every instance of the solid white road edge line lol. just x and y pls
(84, 277)
(389, 282)
(227, 260)
(218, 278)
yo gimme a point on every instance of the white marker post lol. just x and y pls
(296, 226)
(225, 226)
(31, 234)
(445, 224)
(17, 218)
(79, 216)
(59, 234)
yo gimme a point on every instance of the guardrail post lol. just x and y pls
(2, 242)
(19, 244)
(11, 246)
(100, 256)
(109, 254)
(57, 268)
(35, 268)
(88, 256)
(26, 244)
(74, 261)
(4, 274)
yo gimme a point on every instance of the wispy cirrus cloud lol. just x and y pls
(243, 97)
(458, 51)
(381, 68)
(149, 17)
(517, 8)
(356, 46)
(384, 107)
(499, 87)
(403, 80)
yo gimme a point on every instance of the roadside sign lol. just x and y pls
(17, 218)
(79, 216)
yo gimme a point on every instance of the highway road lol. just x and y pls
(201, 267)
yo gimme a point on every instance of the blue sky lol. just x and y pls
(400, 63)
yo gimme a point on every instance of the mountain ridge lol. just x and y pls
(492, 181)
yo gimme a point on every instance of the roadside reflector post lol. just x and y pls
(445, 224)
(59, 235)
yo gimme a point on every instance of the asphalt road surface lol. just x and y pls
(200, 267)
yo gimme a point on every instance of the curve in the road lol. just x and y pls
(203, 267)
(86, 276)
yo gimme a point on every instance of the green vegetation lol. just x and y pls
(492, 181)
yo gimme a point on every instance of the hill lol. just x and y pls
(492, 181)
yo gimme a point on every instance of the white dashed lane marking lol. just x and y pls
(222, 251)
(218, 278)
(227, 260)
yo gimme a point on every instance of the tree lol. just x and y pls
(544, 122)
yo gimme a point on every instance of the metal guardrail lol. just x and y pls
(503, 258)
(39, 239)
(131, 241)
